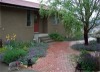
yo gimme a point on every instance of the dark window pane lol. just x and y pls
(28, 18)
(54, 20)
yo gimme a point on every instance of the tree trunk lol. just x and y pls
(86, 35)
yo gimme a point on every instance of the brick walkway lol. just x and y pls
(57, 59)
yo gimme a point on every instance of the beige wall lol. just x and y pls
(0, 16)
(0, 23)
(14, 20)
(43, 26)
(55, 28)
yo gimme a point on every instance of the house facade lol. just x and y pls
(22, 18)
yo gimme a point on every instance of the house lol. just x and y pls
(22, 18)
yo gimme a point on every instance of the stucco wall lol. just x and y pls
(43, 27)
(55, 28)
(0, 16)
(0, 23)
(14, 20)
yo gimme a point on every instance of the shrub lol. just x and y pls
(56, 37)
(74, 38)
(12, 44)
(87, 61)
(3, 49)
(39, 50)
(13, 55)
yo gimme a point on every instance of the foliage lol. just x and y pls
(71, 25)
(74, 38)
(74, 14)
(13, 55)
(87, 61)
(39, 50)
(17, 50)
(13, 44)
(97, 34)
(3, 49)
(56, 37)
(93, 46)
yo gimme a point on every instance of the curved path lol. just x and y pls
(57, 58)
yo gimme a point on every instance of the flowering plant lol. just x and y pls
(11, 37)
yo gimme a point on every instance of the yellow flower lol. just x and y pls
(11, 38)
(8, 37)
(14, 36)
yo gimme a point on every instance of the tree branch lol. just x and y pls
(94, 24)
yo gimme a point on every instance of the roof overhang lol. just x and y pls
(20, 3)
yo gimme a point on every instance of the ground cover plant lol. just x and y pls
(56, 36)
(17, 50)
(93, 46)
(86, 62)
(13, 55)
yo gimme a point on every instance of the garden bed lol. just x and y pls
(15, 50)
(93, 46)
(87, 62)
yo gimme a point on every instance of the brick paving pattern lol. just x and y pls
(57, 59)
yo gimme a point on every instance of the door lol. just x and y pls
(36, 22)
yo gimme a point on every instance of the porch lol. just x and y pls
(42, 37)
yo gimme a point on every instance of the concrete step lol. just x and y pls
(45, 39)
(48, 41)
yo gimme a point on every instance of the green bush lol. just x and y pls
(56, 37)
(87, 61)
(18, 44)
(13, 55)
(3, 49)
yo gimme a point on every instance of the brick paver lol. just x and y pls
(57, 59)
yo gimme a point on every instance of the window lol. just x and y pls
(29, 20)
(54, 20)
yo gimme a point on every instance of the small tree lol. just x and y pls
(74, 14)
